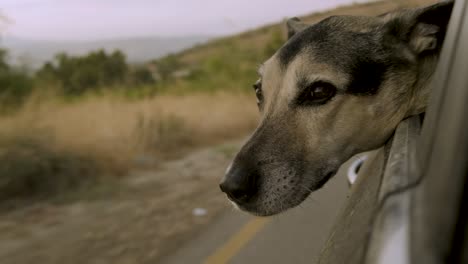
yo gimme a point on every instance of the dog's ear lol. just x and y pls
(294, 26)
(423, 29)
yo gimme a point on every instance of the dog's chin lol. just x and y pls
(263, 212)
(291, 200)
(276, 208)
(324, 180)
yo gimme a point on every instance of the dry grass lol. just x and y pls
(106, 135)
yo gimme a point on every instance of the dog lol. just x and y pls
(334, 89)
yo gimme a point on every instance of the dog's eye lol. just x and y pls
(317, 93)
(258, 92)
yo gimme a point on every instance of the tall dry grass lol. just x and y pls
(49, 139)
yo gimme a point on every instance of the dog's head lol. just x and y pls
(336, 88)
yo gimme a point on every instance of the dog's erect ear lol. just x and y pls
(294, 26)
(423, 28)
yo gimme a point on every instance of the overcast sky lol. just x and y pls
(97, 19)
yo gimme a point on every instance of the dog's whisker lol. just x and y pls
(305, 188)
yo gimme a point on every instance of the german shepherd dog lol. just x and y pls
(334, 89)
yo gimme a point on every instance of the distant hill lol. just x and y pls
(140, 49)
(230, 63)
(256, 39)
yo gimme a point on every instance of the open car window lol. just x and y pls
(440, 208)
(408, 203)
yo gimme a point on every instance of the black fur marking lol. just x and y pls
(366, 76)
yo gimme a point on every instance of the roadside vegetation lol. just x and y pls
(80, 118)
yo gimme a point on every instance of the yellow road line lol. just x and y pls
(224, 253)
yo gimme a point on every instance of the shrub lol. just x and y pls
(31, 168)
(78, 75)
(15, 85)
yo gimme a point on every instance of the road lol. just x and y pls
(147, 218)
(296, 236)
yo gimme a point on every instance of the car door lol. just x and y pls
(409, 202)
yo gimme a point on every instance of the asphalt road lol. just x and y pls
(296, 236)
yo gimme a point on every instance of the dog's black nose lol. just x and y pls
(239, 184)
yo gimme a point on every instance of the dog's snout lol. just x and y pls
(239, 184)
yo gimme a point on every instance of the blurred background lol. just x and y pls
(118, 119)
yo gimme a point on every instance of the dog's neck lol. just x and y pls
(422, 88)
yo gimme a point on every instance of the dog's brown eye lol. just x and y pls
(258, 92)
(320, 93)
(317, 93)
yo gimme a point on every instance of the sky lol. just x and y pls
(101, 19)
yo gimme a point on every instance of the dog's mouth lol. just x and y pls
(264, 205)
(324, 180)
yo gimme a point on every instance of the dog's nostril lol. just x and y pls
(239, 195)
(221, 186)
(240, 182)
(236, 192)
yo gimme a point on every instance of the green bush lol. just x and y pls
(167, 65)
(141, 75)
(15, 85)
(78, 75)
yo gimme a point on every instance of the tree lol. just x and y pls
(167, 65)
(79, 74)
(15, 85)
